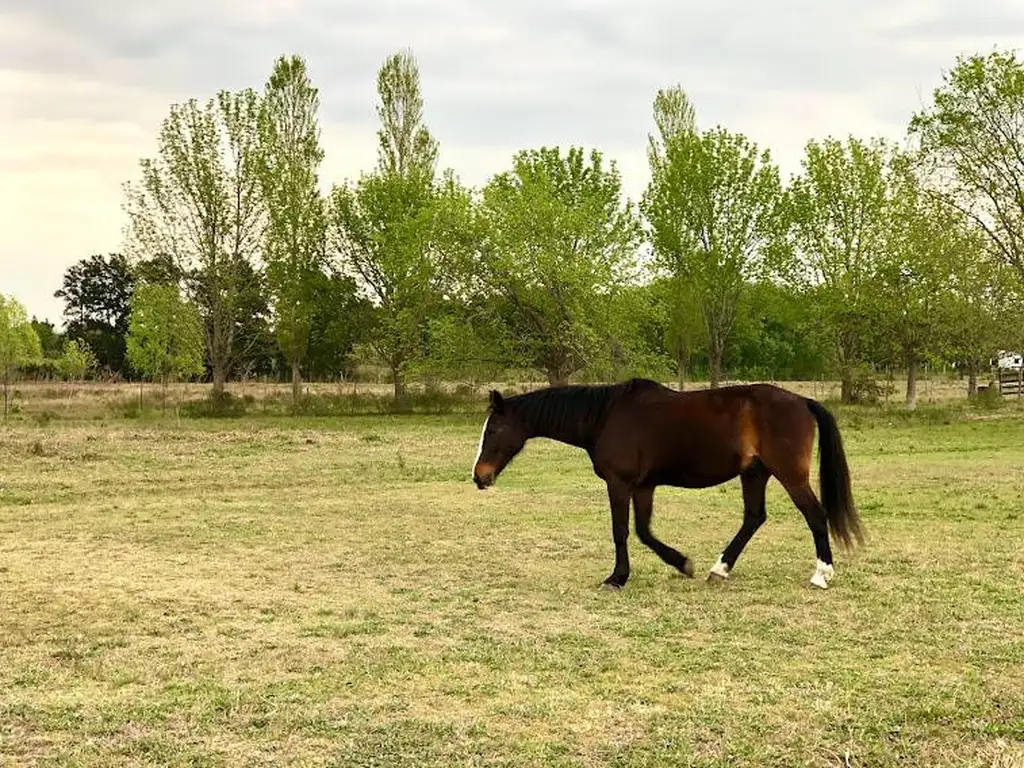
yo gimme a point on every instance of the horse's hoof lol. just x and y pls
(719, 572)
(688, 569)
(610, 586)
(615, 581)
(823, 574)
(717, 578)
(818, 580)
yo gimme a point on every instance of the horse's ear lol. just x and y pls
(497, 402)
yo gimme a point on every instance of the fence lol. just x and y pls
(1011, 381)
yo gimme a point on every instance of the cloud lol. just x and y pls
(85, 83)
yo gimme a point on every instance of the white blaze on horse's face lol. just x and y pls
(480, 447)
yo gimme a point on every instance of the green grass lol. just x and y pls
(336, 592)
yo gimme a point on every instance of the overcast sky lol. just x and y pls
(85, 83)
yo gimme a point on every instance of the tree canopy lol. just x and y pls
(879, 255)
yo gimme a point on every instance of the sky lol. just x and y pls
(84, 85)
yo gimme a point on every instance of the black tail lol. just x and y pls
(834, 475)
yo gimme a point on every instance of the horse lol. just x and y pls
(640, 434)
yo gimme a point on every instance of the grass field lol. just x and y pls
(336, 592)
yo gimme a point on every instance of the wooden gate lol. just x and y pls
(1011, 381)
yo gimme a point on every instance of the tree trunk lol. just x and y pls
(7, 395)
(972, 378)
(557, 379)
(399, 382)
(846, 386)
(681, 367)
(715, 360)
(911, 383)
(296, 382)
(220, 376)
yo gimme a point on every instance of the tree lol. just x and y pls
(200, 203)
(255, 350)
(557, 243)
(465, 342)
(341, 319)
(839, 211)
(911, 276)
(19, 343)
(49, 338)
(383, 226)
(774, 337)
(97, 294)
(161, 269)
(165, 336)
(977, 302)
(406, 148)
(971, 140)
(674, 116)
(638, 345)
(295, 251)
(713, 211)
(682, 328)
(76, 360)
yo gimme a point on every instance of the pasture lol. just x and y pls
(335, 591)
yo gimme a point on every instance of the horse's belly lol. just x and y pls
(692, 470)
(689, 479)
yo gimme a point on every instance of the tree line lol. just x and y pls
(875, 256)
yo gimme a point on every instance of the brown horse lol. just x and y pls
(640, 434)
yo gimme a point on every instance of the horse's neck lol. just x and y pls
(562, 417)
(579, 436)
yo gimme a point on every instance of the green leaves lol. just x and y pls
(674, 116)
(972, 146)
(19, 342)
(558, 241)
(713, 210)
(97, 294)
(384, 227)
(406, 147)
(838, 209)
(294, 249)
(165, 337)
(840, 214)
(911, 277)
(200, 202)
(541, 268)
(76, 360)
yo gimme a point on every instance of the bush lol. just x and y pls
(989, 398)
(220, 406)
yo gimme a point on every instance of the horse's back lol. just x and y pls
(701, 437)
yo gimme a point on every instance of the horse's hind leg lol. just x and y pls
(754, 480)
(643, 508)
(817, 520)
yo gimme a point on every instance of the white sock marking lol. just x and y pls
(480, 446)
(823, 573)
(720, 568)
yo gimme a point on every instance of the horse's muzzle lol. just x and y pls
(483, 476)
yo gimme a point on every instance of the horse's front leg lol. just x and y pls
(618, 499)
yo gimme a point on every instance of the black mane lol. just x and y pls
(572, 413)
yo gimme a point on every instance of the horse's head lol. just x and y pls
(503, 436)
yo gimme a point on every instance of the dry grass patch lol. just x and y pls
(338, 593)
